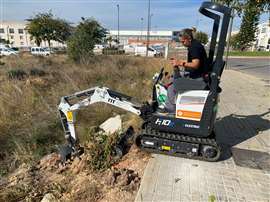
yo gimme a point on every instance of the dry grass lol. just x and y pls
(29, 121)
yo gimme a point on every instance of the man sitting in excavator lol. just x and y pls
(195, 67)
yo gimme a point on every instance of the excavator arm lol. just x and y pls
(87, 97)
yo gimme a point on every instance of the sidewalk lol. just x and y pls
(243, 173)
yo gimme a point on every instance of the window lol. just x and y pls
(21, 37)
(2, 31)
(22, 43)
(20, 31)
(11, 37)
(11, 30)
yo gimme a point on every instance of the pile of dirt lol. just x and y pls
(50, 180)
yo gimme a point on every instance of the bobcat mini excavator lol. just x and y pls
(189, 132)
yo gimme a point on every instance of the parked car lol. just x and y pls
(4, 51)
(40, 51)
(267, 48)
(141, 50)
(261, 48)
(98, 48)
(129, 49)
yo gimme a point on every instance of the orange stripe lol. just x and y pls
(189, 114)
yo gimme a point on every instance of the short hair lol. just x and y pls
(186, 33)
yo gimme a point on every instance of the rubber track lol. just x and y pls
(149, 132)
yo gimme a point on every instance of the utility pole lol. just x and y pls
(118, 24)
(141, 28)
(229, 38)
(148, 29)
(150, 21)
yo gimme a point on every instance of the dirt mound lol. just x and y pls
(50, 180)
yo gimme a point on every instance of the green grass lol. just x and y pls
(249, 53)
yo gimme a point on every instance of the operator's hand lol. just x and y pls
(173, 62)
(181, 62)
(176, 63)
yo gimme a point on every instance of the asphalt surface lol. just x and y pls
(259, 67)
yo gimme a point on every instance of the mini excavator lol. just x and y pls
(189, 131)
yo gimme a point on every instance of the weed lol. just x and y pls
(16, 74)
(37, 72)
(101, 150)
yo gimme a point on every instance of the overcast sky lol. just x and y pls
(167, 14)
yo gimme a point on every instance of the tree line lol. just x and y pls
(250, 11)
(82, 38)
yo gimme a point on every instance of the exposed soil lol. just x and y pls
(50, 180)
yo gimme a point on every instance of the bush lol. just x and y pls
(112, 51)
(81, 44)
(37, 72)
(16, 74)
(101, 150)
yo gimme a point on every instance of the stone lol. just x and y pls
(112, 125)
(49, 198)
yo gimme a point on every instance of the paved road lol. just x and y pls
(243, 172)
(259, 67)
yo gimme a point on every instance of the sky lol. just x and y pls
(166, 14)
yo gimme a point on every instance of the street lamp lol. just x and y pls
(141, 27)
(118, 23)
(150, 22)
(229, 38)
(148, 29)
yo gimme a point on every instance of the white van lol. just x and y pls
(141, 50)
(4, 51)
(40, 51)
(267, 48)
(98, 48)
(129, 49)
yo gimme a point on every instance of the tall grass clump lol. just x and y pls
(30, 125)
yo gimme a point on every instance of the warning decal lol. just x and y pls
(189, 105)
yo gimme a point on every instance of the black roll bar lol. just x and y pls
(207, 9)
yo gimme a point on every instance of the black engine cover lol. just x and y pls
(202, 128)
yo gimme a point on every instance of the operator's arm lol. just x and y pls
(192, 65)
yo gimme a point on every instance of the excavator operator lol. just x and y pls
(196, 66)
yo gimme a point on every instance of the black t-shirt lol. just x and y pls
(197, 51)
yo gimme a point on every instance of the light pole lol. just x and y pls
(150, 22)
(118, 23)
(141, 27)
(148, 29)
(229, 38)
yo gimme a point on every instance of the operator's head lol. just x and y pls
(186, 37)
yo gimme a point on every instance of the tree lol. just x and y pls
(45, 27)
(81, 44)
(249, 24)
(234, 43)
(201, 36)
(237, 5)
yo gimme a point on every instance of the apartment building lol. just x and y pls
(17, 35)
(140, 37)
(263, 35)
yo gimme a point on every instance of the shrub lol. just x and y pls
(37, 72)
(101, 150)
(16, 74)
(81, 44)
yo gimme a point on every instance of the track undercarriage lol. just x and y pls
(180, 145)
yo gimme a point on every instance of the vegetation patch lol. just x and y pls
(16, 74)
(37, 72)
(249, 53)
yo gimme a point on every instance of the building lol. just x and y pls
(17, 35)
(263, 35)
(140, 37)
